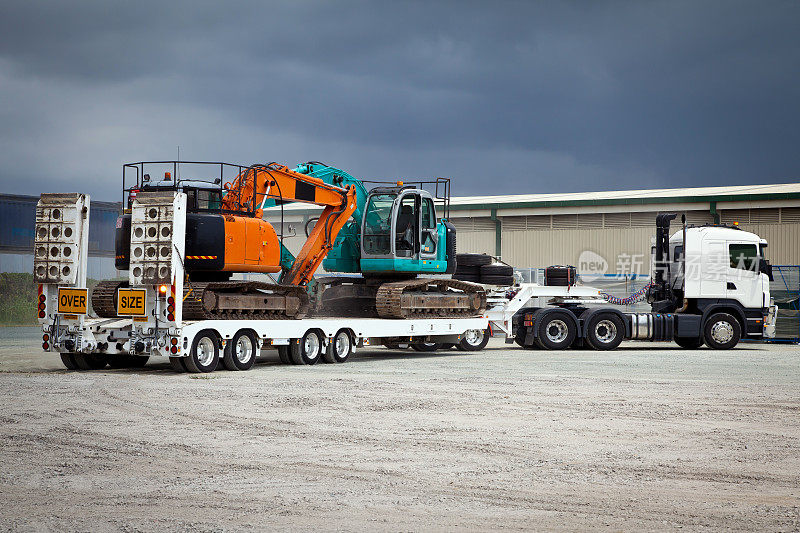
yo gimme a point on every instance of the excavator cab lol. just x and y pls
(400, 233)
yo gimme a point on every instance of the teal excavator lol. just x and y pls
(392, 240)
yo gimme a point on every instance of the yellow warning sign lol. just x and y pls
(72, 301)
(131, 302)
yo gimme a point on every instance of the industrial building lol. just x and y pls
(536, 230)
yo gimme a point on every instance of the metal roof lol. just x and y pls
(731, 193)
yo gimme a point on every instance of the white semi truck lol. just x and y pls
(698, 297)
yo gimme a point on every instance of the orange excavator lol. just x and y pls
(225, 234)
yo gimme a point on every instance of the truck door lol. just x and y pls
(713, 269)
(743, 282)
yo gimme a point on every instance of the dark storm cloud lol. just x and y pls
(504, 97)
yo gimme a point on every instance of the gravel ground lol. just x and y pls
(647, 437)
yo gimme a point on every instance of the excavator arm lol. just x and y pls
(252, 189)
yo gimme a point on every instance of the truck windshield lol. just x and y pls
(377, 224)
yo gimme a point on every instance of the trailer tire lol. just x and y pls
(555, 330)
(605, 331)
(177, 364)
(308, 350)
(425, 346)
(69, 361)
(340, 348)
(497, 269)
(474, 340)
(689, 343)
(473, 260)
(204, 355)
(722, 331)
(241, 351)
(90, 361)
(283, 355)
(503, 281)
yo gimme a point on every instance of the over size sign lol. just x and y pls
(72, 301)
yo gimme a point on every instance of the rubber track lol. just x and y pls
(103, 298)
(390, 297)
(193, 308)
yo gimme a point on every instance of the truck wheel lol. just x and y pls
(474, 340)
(308, 350)
(722, 331)
(69, 361)
(473, 259)
(283, 355)
(556, 331)
(689, 343)
(177, 364)
(425, 346)
(90, 361)
(605, 331)
(340, 349)
(240, 352)
(204, 355)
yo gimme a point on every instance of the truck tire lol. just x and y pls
(308, 351)
(69, 361)
(283, 355)
(605, 331)
(340, 348)
(722, 331)
(497, 269)
(90, 361)
(241, 351)
(425, 346)
(204, 355)
(177, 364)
(555, 330)
(689, 343)
(503, 281)
(473, 260)
(474, 340)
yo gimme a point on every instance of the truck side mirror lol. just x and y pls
(765, 267)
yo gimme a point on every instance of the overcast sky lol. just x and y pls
(502, 97)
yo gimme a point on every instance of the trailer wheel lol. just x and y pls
(605, 331)
(69, 361)
(308, 350)
(556, 331)
(204, 355)
(283, 355)
(689, 343)
(90, 361)
(177, 364)
(340, 349)
(474, 340)
(425, 346)
(722, 331)
(241, 351)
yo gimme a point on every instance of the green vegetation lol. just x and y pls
(18, 299)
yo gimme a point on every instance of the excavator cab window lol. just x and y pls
(377, 224)
(202, 200)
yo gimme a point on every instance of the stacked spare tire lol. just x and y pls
(482, 268)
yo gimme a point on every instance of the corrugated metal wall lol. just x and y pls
(541, 240)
